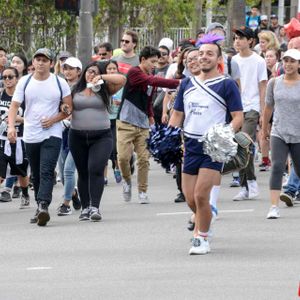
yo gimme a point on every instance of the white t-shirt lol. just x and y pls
(42, 99)
(253, 70)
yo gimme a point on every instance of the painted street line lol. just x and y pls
(220, 211)
(38, 268)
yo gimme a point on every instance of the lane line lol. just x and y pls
(220, 211)
(38, 268)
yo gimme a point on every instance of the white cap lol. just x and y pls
(166, 42)
(293, 53)
(73, 62)
(263, 17)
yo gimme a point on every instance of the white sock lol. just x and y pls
(214, 195)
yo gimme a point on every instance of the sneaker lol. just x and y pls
(105, 181)
(252, 189)
(95, 215)
(5, 196)
(235, 182)
(132, 162)
(242, 195)
(273, 212)
(118, 176)
(85, 214)
(263, 167)
(75, 199)
(43, 216)
(287, 198)
(191, 225)
(297, 199)
(34, 219)
(16, 192)
(126, 191)
(200, 246)
(143, 198)
(25, 202)
(64, 210)
(180, 198)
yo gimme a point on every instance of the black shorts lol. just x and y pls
(19, 170)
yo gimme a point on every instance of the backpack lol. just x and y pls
(58, 83)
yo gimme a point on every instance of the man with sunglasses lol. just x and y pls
(129, 58)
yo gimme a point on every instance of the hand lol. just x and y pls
(65, 108)
(47, 123)
(151, 121)
(12, 134)
(165, 118)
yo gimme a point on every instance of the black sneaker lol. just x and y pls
(43, 216)
(191, 225)
(287, 198)
(64, 210)
(75, 200)
(180, 198)
(85, 214)
(95, 215)
(16, 192)
(34, 219)
(25, 202)
(5, 196)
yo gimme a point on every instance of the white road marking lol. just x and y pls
(220, 211)
(38, 268)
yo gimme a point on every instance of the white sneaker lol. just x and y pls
(242, 195)
(143, 198)
(126, 191)
(252, 189)
(273, 212)
(199, 246)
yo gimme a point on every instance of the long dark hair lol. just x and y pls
(81, 84)
(24, 59)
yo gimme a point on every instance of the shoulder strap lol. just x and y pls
(26, 83)
(59, 86)
(229, 64)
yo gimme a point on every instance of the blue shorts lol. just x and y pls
(195, 159)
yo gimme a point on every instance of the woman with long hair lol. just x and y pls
(90, 138)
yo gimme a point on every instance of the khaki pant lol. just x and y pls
(129, 138)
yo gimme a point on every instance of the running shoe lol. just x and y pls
(143, 198)
(43, 216)
(64, 210)
(180, 198)
(95, 215)
(126, 191)
(118, 176)
(75, 199)
(200, 246)
(16, 192)
(242, 195)
(287, 198)
(25, 202)
(85, 214)
(273, 212)
(5, 196)
(235, 182)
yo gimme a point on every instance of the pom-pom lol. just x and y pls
(164, 144)
(219, 143)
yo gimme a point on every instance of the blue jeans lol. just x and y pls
(9, 182)
(43, 158)
(293, 185)
(67, 170)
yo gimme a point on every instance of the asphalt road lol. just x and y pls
(141, 251)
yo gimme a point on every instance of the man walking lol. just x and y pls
(43, 93)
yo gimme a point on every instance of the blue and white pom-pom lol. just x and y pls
(164, 144)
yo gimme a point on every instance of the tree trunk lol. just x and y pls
(71, 36)
(197, 18)
(114, 23)
(236, 17)
(266, 6)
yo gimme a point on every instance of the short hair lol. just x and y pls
(108, 46)
(165, 48)
(149, 51)
(11, 68)
(3, 49)
(219, 53)
(134, 36)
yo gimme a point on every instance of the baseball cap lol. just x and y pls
(73, 62)
(166, 42)
(273, 17)
(293, 53)
(213, 26)
(244, 31)
(64, 54)
(263, 17)
(45, 52)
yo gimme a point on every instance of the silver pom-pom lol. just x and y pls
(219, 143)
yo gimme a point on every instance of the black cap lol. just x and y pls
(244, 31)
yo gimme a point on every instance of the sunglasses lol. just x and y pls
(163, 53)
(102, 54)
(10, 77)
(125, 41)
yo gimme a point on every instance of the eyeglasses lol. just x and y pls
(163, 53)
(102, 54)
(10, 77)
(125, 41)
(92, 71)
(193, 59)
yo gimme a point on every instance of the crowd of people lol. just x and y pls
(58, 115)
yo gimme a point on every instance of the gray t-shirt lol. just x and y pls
(125, 63)
(89, 113)
(286, 103)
